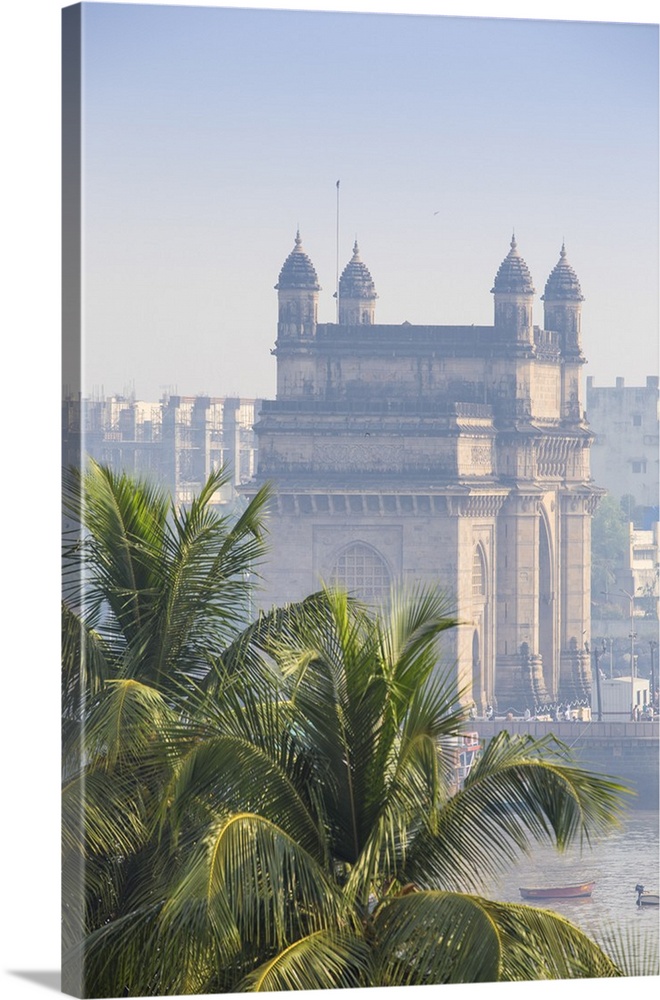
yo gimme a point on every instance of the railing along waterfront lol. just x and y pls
(627, 751)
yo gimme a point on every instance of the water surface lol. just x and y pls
(616, 863)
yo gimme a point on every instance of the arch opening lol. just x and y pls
(481, 688)
(546, 610)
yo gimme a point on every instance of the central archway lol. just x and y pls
(481, 688)
(546, 609)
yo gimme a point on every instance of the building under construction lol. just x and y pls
(177, 441)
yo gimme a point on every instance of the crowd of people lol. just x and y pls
(574, 711)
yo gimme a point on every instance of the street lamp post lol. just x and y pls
(610, 639)
(597, 655)
(633, 636)
(654, 645)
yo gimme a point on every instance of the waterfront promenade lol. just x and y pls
(627, 751)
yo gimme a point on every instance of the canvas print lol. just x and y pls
(360, 500)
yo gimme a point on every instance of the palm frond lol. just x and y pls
(633, 949)
(436, 937)
(321, 960)
(85, 668)
(540, 944)
(102, 815)
(519, 792)
(250, 877)
(124, 724)
(426, 938)
(229, 771)
(407, 633)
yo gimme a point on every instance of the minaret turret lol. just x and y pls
(562, 305)
(298, 291)
(514, 295)
(357, 293)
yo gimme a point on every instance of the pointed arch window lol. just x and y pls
(363, 571)
(478, 574)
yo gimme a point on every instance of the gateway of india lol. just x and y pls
(457, 455)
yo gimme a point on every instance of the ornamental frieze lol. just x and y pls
(524, 503)
(295, 504)
(581, 503)
(358, 454)
(481, 455)
(479, 505)
(556, 455)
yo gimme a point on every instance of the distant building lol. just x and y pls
(620, 698)
(642, 566)
(626, 450)
(177, 441)
(625, 460)
(457, 455)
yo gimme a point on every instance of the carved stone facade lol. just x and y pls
(449, 454)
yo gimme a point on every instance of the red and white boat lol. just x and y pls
(465, 750)
(559, 891)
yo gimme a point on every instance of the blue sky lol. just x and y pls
(210, 134)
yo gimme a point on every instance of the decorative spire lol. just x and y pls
(298, 270)
(563, 281)
(513, 275)
(356, 281)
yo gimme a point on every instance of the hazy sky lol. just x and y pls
(210, 134)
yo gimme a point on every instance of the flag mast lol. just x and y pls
(337, 257)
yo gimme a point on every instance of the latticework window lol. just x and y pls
(363, 572)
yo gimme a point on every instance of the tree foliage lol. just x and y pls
(610, 538)
(275, 806)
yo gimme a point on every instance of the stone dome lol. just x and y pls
(563, 282)
(356, 281)
(513, 275)
(298, 270)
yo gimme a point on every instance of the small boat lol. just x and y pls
(462, 753)
(559, 892)
(645, 898)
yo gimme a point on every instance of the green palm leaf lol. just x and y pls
(322, 960)
(520, 792)
(165, 587)
(437, 937)
(633, 949)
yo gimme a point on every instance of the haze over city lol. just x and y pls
(211, 134)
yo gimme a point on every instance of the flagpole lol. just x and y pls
(337, 257)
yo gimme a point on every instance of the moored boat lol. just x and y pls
(463, 753)
(645, 898)
(559, 892)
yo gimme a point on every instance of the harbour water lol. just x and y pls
(616, 864)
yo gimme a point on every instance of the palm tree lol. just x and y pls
(152, 591)
(152, 594)
(304, 831)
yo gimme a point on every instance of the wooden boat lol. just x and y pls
(559, 892)
(645, 898)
